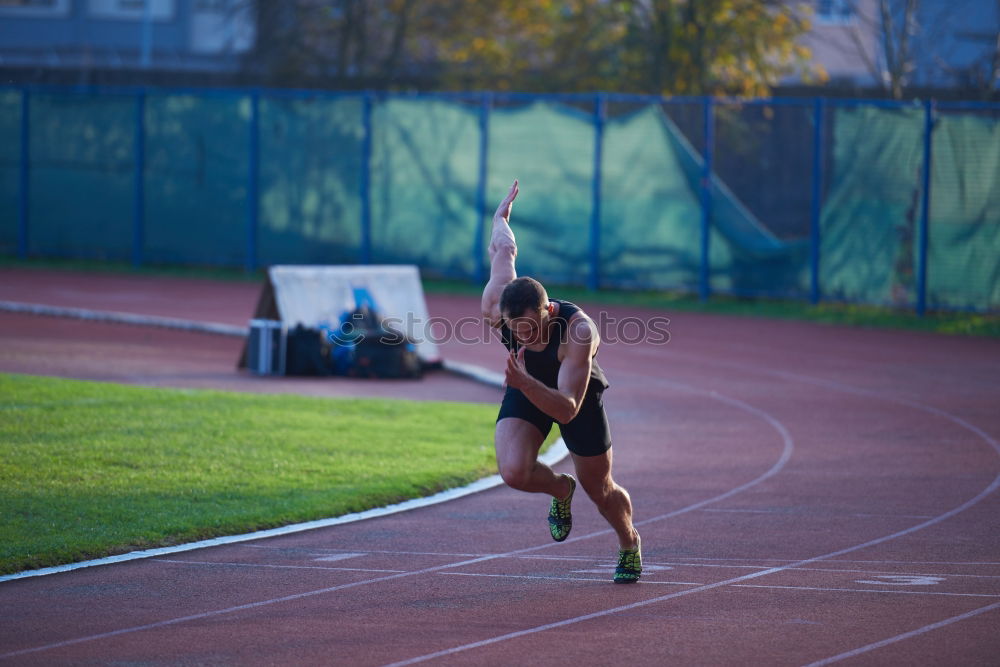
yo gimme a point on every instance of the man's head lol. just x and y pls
(525, 306)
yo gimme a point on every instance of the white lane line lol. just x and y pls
(993, 486)
(276, 567)
(585, 559)
(554, 578)
(847, 560)
(869, 590)
(826, 569)
(906, 574)
(786, 453)
(720, 562)
(608, 569)
(792, 512)
(944, 414)
(649, 566)
(242, 607)
(736, 563)
(699, 589)
(553, 455)
(317, 551)
(788, 447)
(956, 563)
(902, 637)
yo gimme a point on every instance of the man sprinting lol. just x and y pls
(552, 376)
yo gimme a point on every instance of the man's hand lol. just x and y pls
(517, 375)
(503, 210)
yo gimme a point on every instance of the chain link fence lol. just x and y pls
(815, 199)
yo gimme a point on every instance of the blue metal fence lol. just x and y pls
(756, 257)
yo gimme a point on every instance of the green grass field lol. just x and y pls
(91, 469)
(944, 322)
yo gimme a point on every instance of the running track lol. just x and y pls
(806, 494)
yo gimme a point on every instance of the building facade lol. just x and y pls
(948, 43)
(177, 35)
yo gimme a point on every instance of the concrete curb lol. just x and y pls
(123, 318)
(556, 453)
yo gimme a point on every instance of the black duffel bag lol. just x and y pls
(383, 353)
(308, 352)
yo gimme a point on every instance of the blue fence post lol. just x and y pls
(600, 111)
(925, 208)
(366, 165)
(484, 146)
(817, 200)
(23, 200)
(139, 184)
(704, 286)
(253, 172)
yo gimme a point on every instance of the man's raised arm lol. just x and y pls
(503, 252)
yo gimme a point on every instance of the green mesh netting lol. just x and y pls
(651, 218)
(196, 179)
(963, 250)
(82, 175)
(10, 168)
(651, 221)
(745, 257)
(871, 211)
(309, 180)
(549, 148)
(761, 195)
(425, 170)
(424, 181)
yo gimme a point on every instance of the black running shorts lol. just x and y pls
(586, 435)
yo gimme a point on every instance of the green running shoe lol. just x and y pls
(629, 565)
(560, 519)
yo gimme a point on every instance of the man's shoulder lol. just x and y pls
(570, 312)
(567, 309)
(578, 329)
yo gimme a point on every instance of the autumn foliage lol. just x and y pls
(672, 47)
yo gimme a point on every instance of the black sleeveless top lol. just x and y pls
(545, 365)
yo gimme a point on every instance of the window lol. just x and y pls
(222, 27)
(835, 11)
(134, 10)
(218, 6)
(39, 8)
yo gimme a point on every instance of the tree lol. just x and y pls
(981, 76)
(647, 46)
(697, 47)
(895, 27)
(740, 47)
(545, 45)
(333, 43)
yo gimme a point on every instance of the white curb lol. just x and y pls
(556, 453)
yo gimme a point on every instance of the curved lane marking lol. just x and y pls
(736, 580)
(786, 453)
(904, 636)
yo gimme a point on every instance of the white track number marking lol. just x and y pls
(336, 557)
(902, 580)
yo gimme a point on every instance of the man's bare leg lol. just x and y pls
(612, 501)
(517, 443)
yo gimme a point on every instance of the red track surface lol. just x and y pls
(803, 492)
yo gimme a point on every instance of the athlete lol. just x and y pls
(552, 376)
